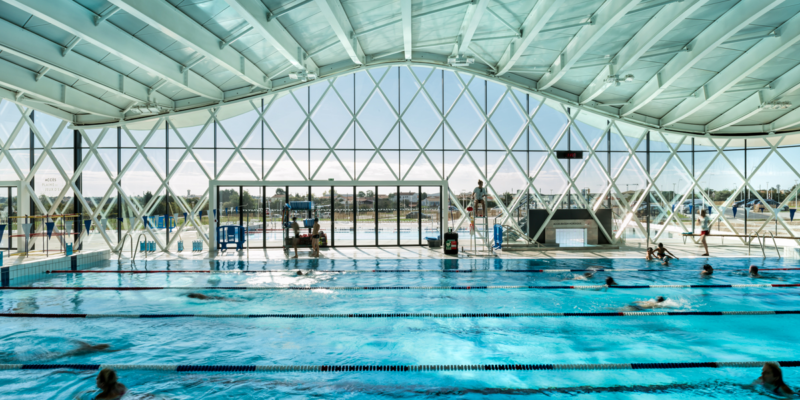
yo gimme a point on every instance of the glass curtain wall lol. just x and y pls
(398, 123)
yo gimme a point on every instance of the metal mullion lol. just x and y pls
(397, 206)
(419, 215)
(355, 217)
(773, 149)
(48, 151)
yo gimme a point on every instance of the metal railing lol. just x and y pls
(119, 255)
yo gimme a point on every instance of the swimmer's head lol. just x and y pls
(107, 379)
(660, 245)
(610, 281)
(588, 274)
(299, 273)
(754, 270)
(650, 249)
(294, 218)
(771, 373)
(660, 299)
(708, 268)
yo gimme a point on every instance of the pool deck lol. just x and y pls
(688, 251)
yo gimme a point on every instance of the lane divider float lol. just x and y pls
(347, 288)
(350, 271)
(393, 368)
(415, 315)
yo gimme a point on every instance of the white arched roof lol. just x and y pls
(694, 66)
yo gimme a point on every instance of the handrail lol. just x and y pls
(145, 246)
(123, 246)
(773, 242)
(760, 243)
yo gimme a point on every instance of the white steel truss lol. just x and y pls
(234, 137)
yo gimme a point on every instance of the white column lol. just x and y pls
(212, 224)
(445, 208)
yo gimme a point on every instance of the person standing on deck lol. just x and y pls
(296, 239)
(315, 239)
(705, 229)
(479, 197)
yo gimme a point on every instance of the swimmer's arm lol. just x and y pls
(673, 255)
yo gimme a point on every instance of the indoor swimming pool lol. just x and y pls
(438, 328)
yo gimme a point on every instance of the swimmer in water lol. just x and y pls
(585, 277)
(610, 281)
(754, 274)
(658, 302)
(651, 254)
(111, 388)
(772, 380)
(664, 255)
(88, 348)
(707, 270)
(299, 273)
(199, 296)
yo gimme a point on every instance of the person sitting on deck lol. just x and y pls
(662, 254)
(479, 198)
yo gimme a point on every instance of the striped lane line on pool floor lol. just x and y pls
(394, 368)
(416, 315)
(351, 271)
(348, 288)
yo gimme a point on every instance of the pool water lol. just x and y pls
(402, 341)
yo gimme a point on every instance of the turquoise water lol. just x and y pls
(427, 341)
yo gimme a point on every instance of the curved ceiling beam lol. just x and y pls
(79, 21)
(472, 18)
(606, 16)
(787, 83)
(170, 21)
(725, 26)
(36, 49)
(255, 13)
(747, 64)
(337, 18)
(405, 11)
(534, 23)
(655, 29)
(22, 80)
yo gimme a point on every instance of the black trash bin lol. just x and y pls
(451, 243)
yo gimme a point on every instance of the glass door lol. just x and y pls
(431, 215)
(8, 198)
(388, 213)
(275, 200)
(366, 218)
(409, 215)
(343, 216)
(252, 206)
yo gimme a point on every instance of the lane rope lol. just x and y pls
(350, 271)
(393, 368)
(347, 288)
(416, 315)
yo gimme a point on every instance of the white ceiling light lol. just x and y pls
(460, 61)
(777, 105)
(616, 79)
(303, 76)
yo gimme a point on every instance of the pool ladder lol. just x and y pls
(137, 249)
(133, 255)
(762, 241)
